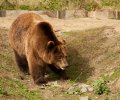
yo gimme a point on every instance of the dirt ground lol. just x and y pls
(66, 25)
(94, 47)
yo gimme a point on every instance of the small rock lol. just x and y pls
(42, 87)
(96, 97)
(54, 84)
(83, 89)
(75, 92)
(90, 89)
(71, 90)
(77, 84)
(85, 85)
(84, 98)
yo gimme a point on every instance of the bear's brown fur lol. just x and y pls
(36, 46)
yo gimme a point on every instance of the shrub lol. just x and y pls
(91, 6)
(100, 87)
(111, 3)
(24, 7)
(2, 91)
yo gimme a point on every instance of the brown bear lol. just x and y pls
(36, 47)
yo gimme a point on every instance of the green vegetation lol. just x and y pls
(82, 47)
(52, 4)
(7, 5)
(71, 4)
(2, 91)
(28, 7)
(62, 5)
(91, 6)
(100, 87)
(111, 3)
(113, 76)
(91, 53)
(24, 7)
(12, 87)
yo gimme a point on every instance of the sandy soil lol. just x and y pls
(66, 25)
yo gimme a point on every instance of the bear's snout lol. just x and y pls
(64, 64)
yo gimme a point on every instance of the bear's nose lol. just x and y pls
(65, 65)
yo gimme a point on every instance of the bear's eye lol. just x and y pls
(66, 56)
(60, 57)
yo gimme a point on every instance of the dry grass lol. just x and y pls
(91, 54)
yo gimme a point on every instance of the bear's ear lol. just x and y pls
(50, 45)
(63, 41)
(56, 30)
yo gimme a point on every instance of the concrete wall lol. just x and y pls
(65, 14)
(105, 14)
(72, 14)
(18, 12)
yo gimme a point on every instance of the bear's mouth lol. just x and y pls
(59, 67)
(62, 68)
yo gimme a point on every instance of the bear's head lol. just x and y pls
(54, 51)
(56, 55)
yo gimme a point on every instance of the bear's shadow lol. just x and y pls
(78, 70)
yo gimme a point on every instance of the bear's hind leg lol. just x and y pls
(60, 72)
(22, 63)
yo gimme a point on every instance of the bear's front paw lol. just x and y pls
(41, 81)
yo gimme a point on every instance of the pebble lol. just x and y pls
(83, 89)
(90, 89)
(85, 85)
(54, 84)
(71, 90)
(84, 98)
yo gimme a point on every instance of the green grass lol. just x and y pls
(110, 3)
(2, 91)
(113, 76)
(10, 84)
(89, 5)
(82, 47)
(100, 86)
(10, 87)
(28, 7)
(89, 50)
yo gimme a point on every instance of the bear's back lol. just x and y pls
(24, 22)
(19, 28)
